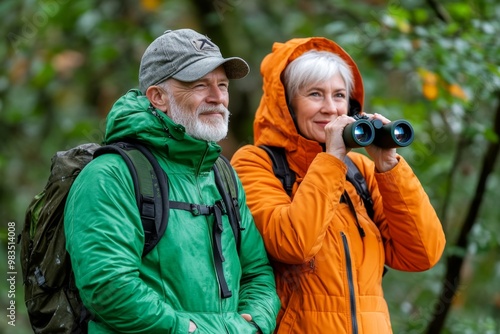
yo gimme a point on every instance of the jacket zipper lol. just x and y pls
(350, 282)
(198, 168)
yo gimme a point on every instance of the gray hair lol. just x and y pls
(315, 66)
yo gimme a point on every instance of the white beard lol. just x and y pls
(214, 129)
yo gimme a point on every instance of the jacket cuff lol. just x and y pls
(401, 168)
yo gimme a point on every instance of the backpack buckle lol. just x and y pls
(198, 209)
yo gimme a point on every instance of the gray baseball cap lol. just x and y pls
(185, 55)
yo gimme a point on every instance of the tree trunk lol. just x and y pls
(455, 261)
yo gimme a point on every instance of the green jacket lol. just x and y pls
(176, 282)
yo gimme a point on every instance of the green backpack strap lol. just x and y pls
(225, 180)
(151, 188)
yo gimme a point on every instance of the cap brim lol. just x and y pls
(235, 67)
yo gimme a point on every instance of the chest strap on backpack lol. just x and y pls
(217, 210)
(195, 209)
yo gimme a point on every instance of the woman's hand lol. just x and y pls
(334, 142)
(385, 159)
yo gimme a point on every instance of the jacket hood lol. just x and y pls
(273, 123)
(133, 117)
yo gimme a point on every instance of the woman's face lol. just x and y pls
(318, 104)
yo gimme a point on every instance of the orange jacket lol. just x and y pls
(329, 278)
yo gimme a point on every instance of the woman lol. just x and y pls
(329, 260)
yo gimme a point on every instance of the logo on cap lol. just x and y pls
(203, 44)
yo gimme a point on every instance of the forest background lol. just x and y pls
(435, 64)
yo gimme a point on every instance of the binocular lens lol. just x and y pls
(402, 133)
(358, 134)
(362, 133)
(395, 134)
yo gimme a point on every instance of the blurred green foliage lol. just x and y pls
(64, 63)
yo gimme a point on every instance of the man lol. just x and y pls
(180, 113)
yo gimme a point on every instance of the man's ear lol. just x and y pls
(158, 98)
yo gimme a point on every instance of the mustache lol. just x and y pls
(221, 109)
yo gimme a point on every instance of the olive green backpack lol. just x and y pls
(51, 297)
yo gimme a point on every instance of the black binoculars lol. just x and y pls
(364, 132)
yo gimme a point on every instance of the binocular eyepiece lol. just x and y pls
(364, 132)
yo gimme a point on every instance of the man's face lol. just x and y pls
(201, 106)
